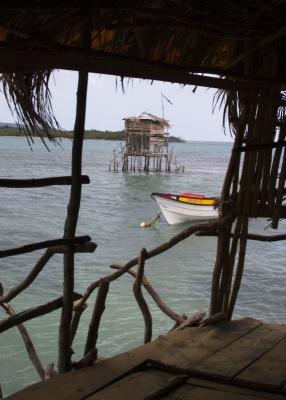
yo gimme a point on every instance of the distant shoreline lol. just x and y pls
(89, 134)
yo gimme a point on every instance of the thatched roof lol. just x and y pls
(149, 117)
(168, 40)
(198, 36)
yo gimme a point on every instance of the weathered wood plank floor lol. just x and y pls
(239, 360)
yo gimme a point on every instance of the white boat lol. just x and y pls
(179, 208)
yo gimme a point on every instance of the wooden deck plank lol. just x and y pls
(188, 350)
(78, 383)
(268, 372)
(192, 350)
(204, 383)
(230, 361)
(197, 393)
(139, 385)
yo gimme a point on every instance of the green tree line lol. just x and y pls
(89, 134)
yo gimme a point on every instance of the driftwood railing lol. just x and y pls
(34, 183)
(84, 244)
(80, 244)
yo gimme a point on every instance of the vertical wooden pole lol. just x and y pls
(64, 357)
(223, 260)
(240, 268)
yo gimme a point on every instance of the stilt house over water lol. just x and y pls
(146, 146)
(236, 47)
(144, 132)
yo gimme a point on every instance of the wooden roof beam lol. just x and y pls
(13, 60)
(50, 55)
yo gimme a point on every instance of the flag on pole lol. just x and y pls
(166, 98)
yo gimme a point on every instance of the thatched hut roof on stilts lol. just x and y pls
(146, 139)
(235, 47)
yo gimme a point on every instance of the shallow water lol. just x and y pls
(113, 205)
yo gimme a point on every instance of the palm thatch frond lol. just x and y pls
(29, 97)
(229, 100)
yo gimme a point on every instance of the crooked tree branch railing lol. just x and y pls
(140, 280)
(80, 244)
(140, 299)
(67, 246)
(206, 227)
(249, 236)
(34, 312)
(155, 296)
(28, 248)
(98, 310)
(90, 352)
(40, 264)
(42, 182)
(27, 342)
(17, 319)
(78, 308)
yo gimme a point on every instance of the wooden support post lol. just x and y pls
(224, 262)
(279, 197)
(64, 357)
(221, 266)
(275, 170)
(240, 268)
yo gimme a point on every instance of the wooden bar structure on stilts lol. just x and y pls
(146, 143)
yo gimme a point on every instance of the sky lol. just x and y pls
(190, 114)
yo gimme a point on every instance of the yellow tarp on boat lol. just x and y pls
(203, 201)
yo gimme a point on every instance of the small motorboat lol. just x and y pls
(184, 207)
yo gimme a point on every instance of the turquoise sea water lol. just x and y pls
(113, 205)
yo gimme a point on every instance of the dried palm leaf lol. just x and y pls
(230, 101)
(29, 97)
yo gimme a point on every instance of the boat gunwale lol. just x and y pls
(163, 196)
